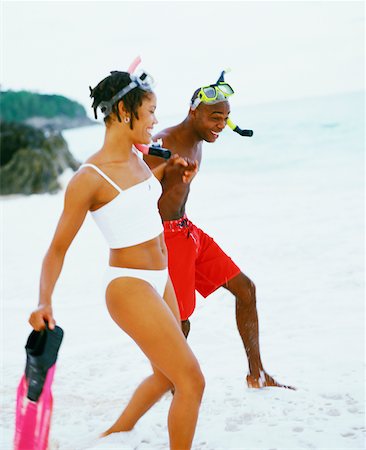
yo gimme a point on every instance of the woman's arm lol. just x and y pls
(78, 199)
(159, 170)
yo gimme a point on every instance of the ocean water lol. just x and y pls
(288, 135)
(299, 132)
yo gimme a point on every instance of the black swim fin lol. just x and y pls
(42, 348)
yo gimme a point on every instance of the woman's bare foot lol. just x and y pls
(108, 432)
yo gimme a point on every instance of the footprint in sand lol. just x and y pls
(331, 396)
(333, 412)
(350, 400)
(235, 423)
(231, 426)
(348, 434)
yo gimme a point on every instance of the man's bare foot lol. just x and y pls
(264, 380)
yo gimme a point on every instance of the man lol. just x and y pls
(195, 261)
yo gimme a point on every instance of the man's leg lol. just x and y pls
(213, 269)
(181, 263)
(247, 319)
(247, 322)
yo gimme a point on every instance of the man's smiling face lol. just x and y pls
(210, 120)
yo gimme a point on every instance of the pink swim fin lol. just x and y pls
(34, 395)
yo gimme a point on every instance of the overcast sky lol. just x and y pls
(276, 50)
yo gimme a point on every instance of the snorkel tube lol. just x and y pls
(230, 123)
(154, 149)
(238, 130)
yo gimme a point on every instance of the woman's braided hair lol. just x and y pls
(109, 87)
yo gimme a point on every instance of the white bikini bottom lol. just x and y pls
(156, 278)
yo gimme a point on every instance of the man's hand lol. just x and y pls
(264, 380)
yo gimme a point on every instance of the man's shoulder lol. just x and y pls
(166, 133)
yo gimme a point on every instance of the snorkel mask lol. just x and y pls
(215, 93)
(143, 81)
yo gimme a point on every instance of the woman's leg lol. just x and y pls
(152, 388)
(136, 307)
(145, 396)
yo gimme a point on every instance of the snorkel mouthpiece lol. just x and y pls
(154, 149)
(231, 124)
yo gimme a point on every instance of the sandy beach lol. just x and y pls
(294, 223)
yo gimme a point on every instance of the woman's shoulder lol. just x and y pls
(89, 169)
(85, 178)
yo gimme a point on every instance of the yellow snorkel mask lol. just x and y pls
(215, 93)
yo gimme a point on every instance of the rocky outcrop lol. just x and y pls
(32, 161)
(33, 152)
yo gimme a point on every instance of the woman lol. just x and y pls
(121, 192)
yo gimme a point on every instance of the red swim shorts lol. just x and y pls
(195, 262)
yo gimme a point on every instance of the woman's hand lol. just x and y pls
(189, 167)
(190, 170)
(40, 316)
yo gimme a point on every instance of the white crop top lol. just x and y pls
(133, 216)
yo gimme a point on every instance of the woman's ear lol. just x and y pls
(123, 113)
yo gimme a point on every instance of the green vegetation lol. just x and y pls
(22, 105)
